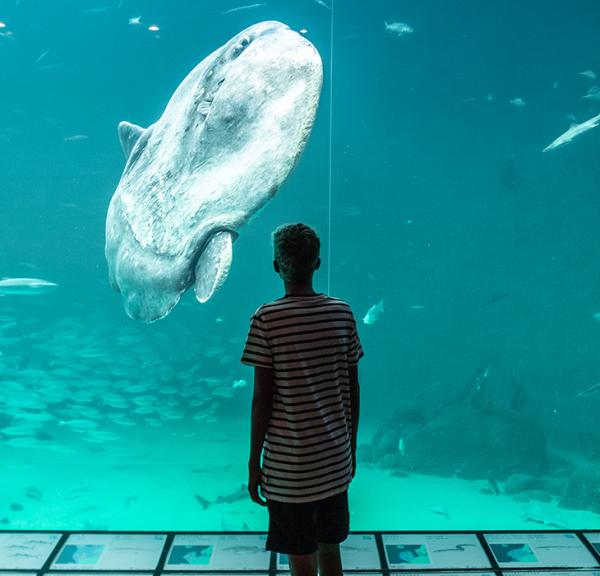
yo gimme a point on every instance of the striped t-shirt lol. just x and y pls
(309, 342)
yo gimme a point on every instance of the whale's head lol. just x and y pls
(228, 138)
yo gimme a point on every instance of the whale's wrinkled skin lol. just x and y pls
(228, 138)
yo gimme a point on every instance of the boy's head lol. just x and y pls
(296, 252)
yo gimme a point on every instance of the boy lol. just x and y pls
(305, 350)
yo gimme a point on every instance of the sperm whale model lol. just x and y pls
(228, 138)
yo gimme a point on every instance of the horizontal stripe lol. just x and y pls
(309, 342)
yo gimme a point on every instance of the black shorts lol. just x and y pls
(297, 528)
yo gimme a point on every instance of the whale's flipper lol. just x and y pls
(213, 264)
(129, 134)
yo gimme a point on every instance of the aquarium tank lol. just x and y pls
(452, 174)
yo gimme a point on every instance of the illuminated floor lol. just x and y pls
(153, 553)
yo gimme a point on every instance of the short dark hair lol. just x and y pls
(296, 249)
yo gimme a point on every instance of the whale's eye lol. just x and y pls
(241, 45)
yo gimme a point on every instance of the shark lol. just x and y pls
(573, 131)
(228, 138)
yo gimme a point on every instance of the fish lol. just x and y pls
(518, 102)
(41, 56)
(230, 135)
(246, 7)
(440, 511)
(240, 494)
(97, 10)
(593, 93)
(322, 3)
(589, 391)
(398, 28)
(588, 74)
(402, 446)
(76, 138)
(135, 20)
(373, 313)
(573, 131)
(153, 28)
(51, 66)
(25, 286)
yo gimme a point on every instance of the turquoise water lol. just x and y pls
(438, 200)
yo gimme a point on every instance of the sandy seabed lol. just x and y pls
(150, 478)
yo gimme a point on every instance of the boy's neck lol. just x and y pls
(301, 289)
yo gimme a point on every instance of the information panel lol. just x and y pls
(110, 552)
(218, 552)
(594, 539)
(551, 573)
(25, 551)
(434, 573)
(536, 550)
(358, 551)
(434, 551)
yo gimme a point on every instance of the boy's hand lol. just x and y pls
(253, 484)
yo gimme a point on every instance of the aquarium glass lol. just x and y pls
(452, 174)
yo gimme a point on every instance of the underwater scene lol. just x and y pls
(446, 151)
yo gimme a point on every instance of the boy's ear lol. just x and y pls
(317, 264)
(276, 266)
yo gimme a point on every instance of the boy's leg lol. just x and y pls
(329, 560)
(303, 564)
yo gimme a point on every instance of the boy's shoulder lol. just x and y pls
(297, 302)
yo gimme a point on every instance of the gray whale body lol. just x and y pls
(227, 140)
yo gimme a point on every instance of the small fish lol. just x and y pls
(97, 10)
(51, 66)
(41, 56)
(153, 28)
(34, 493)
(322, 3)
(76, 138)
(489, 98)
(373, 313)
(574, 131)
(398, 28)
(494, 485)
(589, 391)
(588, 74)
(440, 511)
(241, 383)
(2, 24)
(25, 286)
(240, 494)
(303, 31)
(246, 7)
(417, 307)
(593, 93)
(402, 446)
(135, 20)
(518, 102)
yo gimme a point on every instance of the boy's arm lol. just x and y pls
(354, 402)
(262, 405)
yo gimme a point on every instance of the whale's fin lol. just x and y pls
(213, 264)
(129, 134)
